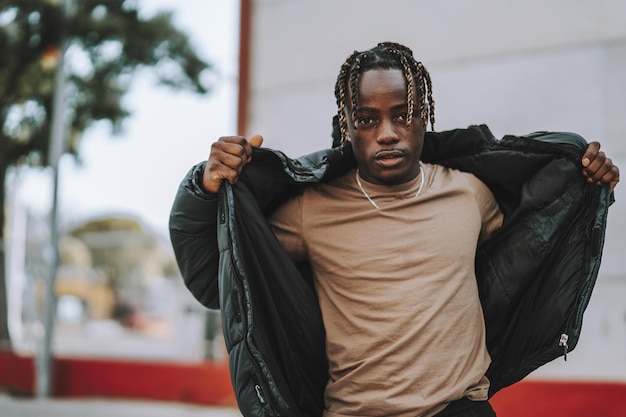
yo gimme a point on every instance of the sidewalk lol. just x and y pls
(28, 407)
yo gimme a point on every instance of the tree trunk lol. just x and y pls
(4, 328)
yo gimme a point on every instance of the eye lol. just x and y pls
(364, 121)
(402, 117)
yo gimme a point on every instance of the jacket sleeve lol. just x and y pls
(193, 232)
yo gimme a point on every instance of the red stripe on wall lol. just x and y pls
(201, 383)
(561, 399)
(208, 383)
(17, 373)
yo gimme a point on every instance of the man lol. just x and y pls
(390, 241)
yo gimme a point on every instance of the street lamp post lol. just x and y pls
(58, 128)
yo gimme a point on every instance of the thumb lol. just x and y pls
(256, 140)
(590, 153)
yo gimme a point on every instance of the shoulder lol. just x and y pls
(336, 187)
(456, 181)
(439, 174)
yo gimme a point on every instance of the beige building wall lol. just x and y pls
(517, 66)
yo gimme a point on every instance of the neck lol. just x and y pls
(364, 192)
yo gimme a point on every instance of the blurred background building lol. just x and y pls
(117, 282)
(516, 66)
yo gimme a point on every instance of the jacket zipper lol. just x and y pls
(596, 236)
(563, 343)
(260, 385)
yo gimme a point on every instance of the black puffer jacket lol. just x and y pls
(535, 275)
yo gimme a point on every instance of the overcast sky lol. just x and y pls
(137, 173)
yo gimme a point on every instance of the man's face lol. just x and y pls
(386, 151)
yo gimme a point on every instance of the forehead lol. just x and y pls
(381, 84)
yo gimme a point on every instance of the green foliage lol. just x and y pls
(108, 40)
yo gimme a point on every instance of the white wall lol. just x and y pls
(518, 66)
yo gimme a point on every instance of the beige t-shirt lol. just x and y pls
(397, 289)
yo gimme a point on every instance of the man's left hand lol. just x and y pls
(598, 168)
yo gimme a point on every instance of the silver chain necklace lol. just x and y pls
(419, 190)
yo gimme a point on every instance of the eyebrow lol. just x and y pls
(375, 110)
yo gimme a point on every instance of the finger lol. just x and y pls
(234, 161)
(612, 177)
(598, 165)
(590, 153)
(213, 175)
(239, 149)
(613, 184)
(256, 140)
(604, 174)
(222, 172)
(222, 167)
(226, 161)
(236, 145)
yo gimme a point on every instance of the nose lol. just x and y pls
(387, 132)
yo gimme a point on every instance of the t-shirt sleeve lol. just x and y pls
(286, 222)
(490, 213)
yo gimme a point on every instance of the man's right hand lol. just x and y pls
(228, 157)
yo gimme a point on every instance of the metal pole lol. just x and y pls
(57, 140)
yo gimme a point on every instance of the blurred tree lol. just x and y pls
(108, 41)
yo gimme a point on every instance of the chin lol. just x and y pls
(393, 178)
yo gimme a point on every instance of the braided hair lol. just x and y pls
(386, 55)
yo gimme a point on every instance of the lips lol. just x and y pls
(389, 157)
